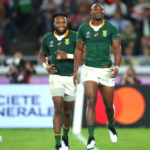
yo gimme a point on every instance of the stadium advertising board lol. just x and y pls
(25, 106)
(132, 105)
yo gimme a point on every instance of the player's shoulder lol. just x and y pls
(109, 24)
(47, 35)
(72, 32)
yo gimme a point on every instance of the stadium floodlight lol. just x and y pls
(78, 106)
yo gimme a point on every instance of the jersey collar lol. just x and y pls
(102, 24)
(66, 33)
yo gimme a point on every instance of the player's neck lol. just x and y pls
(96, 22)
(61, 33)
(57, 33)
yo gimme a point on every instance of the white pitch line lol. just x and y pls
(83, 140)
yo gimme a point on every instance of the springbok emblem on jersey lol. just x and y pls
(67, 42)
(96, 34)
(104, 33)
(59, 43)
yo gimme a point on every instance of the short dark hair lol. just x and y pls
(59, 14)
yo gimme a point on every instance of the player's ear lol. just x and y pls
(54, 24)
(103, 11)
(91, 12)
(54, 21)
(66, 20)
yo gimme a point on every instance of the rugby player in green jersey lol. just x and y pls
(61, 45)
(98, 35)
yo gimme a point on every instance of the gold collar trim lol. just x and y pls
(102, 24)
(66, 33)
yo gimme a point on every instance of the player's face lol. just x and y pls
(97, 12)
(60, 24)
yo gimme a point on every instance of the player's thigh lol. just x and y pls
(68, 106)
(107, 94)
(91, 89)
(58, 102)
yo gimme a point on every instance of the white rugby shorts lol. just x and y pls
(62, 86)
(99, 75)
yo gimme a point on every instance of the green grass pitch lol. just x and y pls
(42, 139)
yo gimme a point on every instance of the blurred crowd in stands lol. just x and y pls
(20, 70)
(14, 15)
(131, 17)
(130, 77)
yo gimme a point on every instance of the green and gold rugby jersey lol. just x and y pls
(98, 43)
(50, 44)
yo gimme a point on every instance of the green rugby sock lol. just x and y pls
(111, 122)
(65, 131)
(57, 137)
(91, 130)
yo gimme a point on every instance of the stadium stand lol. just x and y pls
(22, 26)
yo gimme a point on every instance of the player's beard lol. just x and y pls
(98, 19)
(61, 33)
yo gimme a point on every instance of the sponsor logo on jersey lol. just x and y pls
(104, 33)
(51, 44)
(88, 34)
(67, 41)
(59, 43)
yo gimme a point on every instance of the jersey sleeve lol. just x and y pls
(115, 33)
(80, 36)
(44, 47)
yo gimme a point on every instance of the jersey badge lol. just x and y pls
(59, 43)
(104, 33)
(67, 41)
(96, 34)
(88, 34)
(51, 44)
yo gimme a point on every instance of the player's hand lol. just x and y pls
(61, 54)
(75, 78)
(51, 69)
(114, 72)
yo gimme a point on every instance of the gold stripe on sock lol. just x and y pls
(65, 127)
(57, 134)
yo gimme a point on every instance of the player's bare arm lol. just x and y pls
(77, 60)
(116, 44)
(83, 54)
(50, 68)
